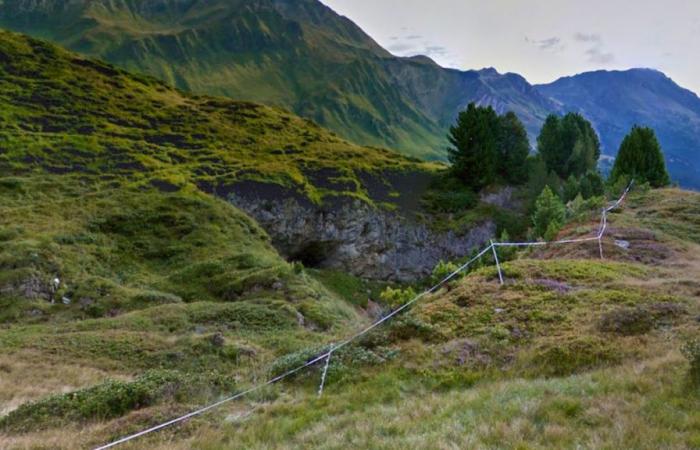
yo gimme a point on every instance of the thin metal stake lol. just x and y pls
(325, 372)
(498, 265)
(602, 233)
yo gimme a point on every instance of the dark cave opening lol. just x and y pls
(314, 254)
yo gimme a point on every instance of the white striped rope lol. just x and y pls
(326, 355)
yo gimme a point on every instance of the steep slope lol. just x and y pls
(616, 100)
(325, 202)
(296, 54)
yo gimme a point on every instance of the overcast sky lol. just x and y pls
(540, 39)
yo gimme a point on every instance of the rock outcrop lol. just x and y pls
(355, 237)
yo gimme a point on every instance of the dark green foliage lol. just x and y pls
(474, 151)
(640, 157)
(486, 146)
(513, 149)
(110, 399)
(539, 178)
(549, 214)
(571, 189)
(568, 145)
(448, 195)
(589, 185)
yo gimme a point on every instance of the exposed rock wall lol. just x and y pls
(355, 237)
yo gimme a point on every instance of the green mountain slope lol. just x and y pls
(102, 215)
(68, 114)
(296, 54)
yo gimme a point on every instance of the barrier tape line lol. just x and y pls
(326, 355)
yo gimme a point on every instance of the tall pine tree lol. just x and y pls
(640, 157)
(474, 141)
(513, 149)
(568, 145)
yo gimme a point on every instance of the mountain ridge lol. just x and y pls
(616, 100)
(302, 56)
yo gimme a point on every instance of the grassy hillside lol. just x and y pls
(572, 351)
(67, 114)
(297, 54)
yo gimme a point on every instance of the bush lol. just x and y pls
(691, 350)
(397, 297)
(105, 401)
(567, 356)
(627, 321)
(442, 270)
(549, 213)
(448, 195)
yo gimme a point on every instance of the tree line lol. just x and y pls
(487, 148)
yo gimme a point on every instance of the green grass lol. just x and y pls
(570, 352)
(67, 114)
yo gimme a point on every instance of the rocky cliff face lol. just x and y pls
(355, 237)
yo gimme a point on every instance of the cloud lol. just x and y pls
(598, 56)
(550, 44)
(400, 48)
(435, 50)
(595, 52)
(583, 37)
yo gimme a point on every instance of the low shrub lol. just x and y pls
(397, 297)
(566, 356)
(442, 270)
(691, 350)
(640, 319)
(107, 400)
(627, 321)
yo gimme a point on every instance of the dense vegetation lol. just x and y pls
(568, 145)
(486, 146)
(640, 158)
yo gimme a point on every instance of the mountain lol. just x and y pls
(614, 101)
(298, 54)
(134, 290)
(304, 57)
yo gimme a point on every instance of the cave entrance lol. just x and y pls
(314, 254)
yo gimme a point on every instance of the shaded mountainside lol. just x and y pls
(296, 54)
(616, 100)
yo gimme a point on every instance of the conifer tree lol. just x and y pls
(549, 213)
(568, 145)
(474, 140)
(513, 149)
(640, 158)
